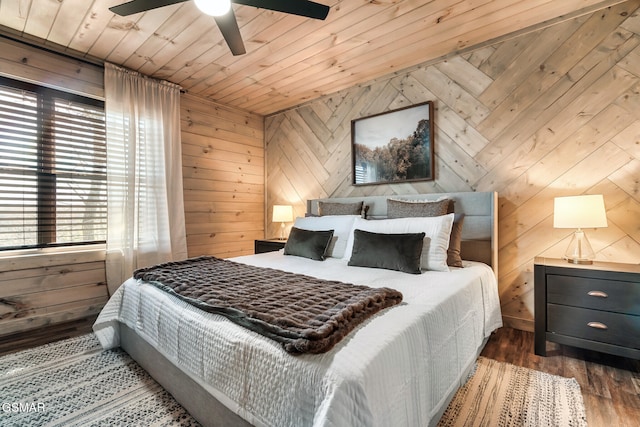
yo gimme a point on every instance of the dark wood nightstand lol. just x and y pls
(268, 245)
(596, 307)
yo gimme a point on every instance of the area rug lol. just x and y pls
(501, 394)
(75, 383)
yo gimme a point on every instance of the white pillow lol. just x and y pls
(340, 224)
(436, 241)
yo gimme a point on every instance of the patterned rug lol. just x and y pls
(501, 394)
(75, 383)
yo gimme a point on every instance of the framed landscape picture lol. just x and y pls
(394, 146)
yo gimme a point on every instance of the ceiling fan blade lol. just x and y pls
(231, 33)
(136, 6)
(305, 8)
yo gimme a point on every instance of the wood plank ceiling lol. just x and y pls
(290, 60)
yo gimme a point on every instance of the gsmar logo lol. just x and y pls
(23, 407)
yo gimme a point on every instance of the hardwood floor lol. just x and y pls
(610, 385)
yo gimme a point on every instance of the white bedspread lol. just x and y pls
(395, 370)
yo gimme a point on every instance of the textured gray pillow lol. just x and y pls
(408, 209)
(400, 252)
(332, 208)
(308, 244)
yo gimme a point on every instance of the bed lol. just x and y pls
(400, 367)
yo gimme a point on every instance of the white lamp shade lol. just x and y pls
(282, 213)
(585, 211)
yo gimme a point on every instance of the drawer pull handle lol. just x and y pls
(597, 325)
(598, 294)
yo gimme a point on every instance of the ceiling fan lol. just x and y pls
(223, 13)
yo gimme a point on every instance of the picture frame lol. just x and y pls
(394, 146)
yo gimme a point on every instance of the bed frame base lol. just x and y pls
(205, 408)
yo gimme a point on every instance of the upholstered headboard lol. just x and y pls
(480, 227)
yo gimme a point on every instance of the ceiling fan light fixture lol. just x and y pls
(223, 13)
(213, 7)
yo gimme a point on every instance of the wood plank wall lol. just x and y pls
(223, 166)
(42, 290)
(223, 174)
(550, 113)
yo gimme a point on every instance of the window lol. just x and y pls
(52, 167)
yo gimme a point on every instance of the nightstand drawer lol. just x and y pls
(595, 325)
(599, 294)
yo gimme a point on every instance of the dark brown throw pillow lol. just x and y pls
(453, 253)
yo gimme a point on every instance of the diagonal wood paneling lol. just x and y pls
(550, 113)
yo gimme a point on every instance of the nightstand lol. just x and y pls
(268, 245)
(596, 307)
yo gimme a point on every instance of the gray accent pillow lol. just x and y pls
(332, 208)
(409, 209)
(308, 244)
(400, 252)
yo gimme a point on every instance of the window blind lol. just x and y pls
(52, 167)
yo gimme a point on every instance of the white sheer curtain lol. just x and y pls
(144, 174)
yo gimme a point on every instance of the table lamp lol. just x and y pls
(586, 211)
(282, 214)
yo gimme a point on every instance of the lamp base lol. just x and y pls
(579, 250)
(579, 261)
